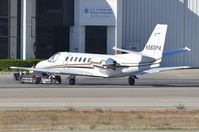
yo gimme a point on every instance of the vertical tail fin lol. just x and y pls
(155, 45)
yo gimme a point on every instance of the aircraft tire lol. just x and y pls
(37, 80)
(16, 76)
(131, 81)
(72, 81)
(58, 78)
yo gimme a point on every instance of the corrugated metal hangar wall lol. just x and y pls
(182, 17)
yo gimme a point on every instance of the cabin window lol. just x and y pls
(80, 59)
(89, 60)
(84, 60)
(71, 59)
(76, 59)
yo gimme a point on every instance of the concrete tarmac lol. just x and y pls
(155, 91)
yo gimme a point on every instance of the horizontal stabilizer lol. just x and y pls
(176, 51)
(130, 52)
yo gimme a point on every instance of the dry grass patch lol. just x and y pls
(98, 119)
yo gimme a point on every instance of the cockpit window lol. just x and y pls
(54, 57)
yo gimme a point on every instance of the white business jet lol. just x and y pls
(110, 66)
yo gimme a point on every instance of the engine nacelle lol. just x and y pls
(110, 63)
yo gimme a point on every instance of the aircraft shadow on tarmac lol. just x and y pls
(109, 84)
(90, 85)
(177, 85)
(140, 85)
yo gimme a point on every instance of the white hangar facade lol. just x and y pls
(130, 23)
(182, 17)
(95, 26)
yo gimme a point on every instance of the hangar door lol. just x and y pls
(96, 39)
(53, 21)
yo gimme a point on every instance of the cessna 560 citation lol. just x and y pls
(108, 66)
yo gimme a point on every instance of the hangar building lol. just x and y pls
(40, 28)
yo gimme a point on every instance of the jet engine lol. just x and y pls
(110, 63)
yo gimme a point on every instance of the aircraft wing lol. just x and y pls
(165, 53)
(35, 69)
(21, 68)
(160, 69)
(54, 71)
(129, 51)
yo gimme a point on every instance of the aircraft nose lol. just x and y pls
(41, 64)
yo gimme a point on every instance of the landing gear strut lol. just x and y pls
(131, 81)
(58, 79)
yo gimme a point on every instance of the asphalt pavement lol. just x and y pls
(162, 90)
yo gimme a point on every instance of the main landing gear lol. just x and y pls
(72, 80)
(131, 80)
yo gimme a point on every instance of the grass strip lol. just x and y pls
(99, 119)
